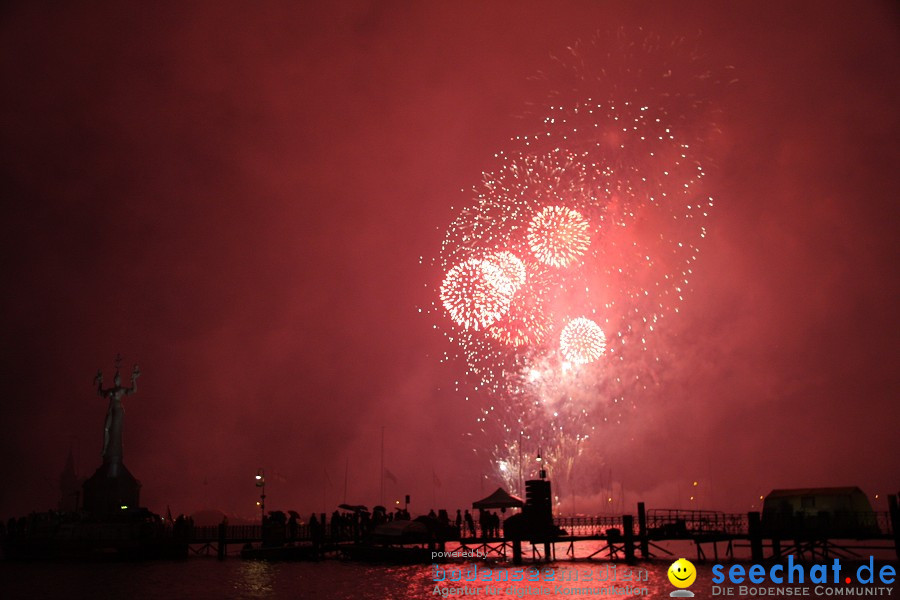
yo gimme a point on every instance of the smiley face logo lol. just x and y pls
(682, 573)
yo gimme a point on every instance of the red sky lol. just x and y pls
(236, 196)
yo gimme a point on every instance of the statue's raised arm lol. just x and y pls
(98, 379)
(135, 373)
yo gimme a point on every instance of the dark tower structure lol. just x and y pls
(538, 509)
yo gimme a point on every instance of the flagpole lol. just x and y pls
(382, 466)
(521, 478)
(346, 470)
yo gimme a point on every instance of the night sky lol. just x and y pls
(237, 197)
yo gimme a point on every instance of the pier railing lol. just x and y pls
(589, 525)
(660, 523)
(233, 533)
(676, 523)
(679, 522)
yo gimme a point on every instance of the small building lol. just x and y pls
(833, 512)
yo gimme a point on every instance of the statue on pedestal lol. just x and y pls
(112, 488)
(115, 415)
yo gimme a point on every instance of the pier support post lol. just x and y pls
(628, 526)
(754, 531)
(517, 552)
(642, 531)
(221, 551)
(894, 510)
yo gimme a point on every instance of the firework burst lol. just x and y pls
(476, 293)
(598, 211)
(582, 341)
(526, 324)
(558, 236)
(509, 266)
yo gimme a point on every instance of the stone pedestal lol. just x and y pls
(109, 489)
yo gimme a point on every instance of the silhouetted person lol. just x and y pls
(356, 526)
(274, 531)
(292, 528)
(431, 514)
(314, 527)
(315, 533)
(335, 524)
(470, 523)
(179, 529)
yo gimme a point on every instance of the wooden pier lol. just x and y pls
(623, 538)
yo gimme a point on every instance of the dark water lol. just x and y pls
(233, 578)
(338, 580)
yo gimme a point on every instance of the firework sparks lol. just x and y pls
(510, 266)
(526, 323)
(597, 211)
(558, 236)
(582, 341)
(476, 293)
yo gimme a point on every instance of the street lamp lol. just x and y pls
(261, 484)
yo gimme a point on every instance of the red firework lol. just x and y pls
(525, 324)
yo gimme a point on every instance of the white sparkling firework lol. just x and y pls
(582, 341)
(598, 211)
(476, 293)
(558, 236)
(511, 267)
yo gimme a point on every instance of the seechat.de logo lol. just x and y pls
(682, 574)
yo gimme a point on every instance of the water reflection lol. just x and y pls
(342, 580)
(255, 579)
